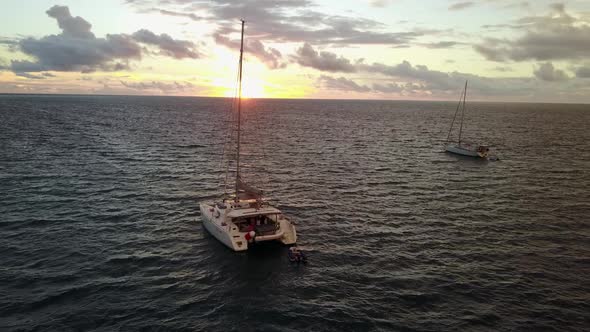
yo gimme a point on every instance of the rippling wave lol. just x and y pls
(100, 227)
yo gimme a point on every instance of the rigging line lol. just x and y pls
(257, 137)
(462, 113)
(226, 131)
(227, 159)
(227, 143)
(454, 117)
(223, 146)
(232, 130)
(264, 176)
(229, 137)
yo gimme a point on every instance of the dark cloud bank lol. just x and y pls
(281, 21)
(77, 49)
(415, 79)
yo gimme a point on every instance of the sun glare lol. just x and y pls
(251, 88)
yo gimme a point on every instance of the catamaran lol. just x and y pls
(461, 147)
(245, 217)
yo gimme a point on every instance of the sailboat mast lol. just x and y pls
(455, 116)
(462, 113)
(239, 110)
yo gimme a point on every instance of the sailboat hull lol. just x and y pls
(464, 151)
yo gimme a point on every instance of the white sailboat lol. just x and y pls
(243, 218)
(461, 147)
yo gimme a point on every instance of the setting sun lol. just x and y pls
(251, 88)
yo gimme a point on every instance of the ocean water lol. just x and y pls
(100, 227)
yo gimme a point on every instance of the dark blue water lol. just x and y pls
(100, 226)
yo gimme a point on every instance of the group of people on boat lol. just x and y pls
(483, 149)
(250, 223)
(257, 225)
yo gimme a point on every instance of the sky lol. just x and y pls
(525, 51)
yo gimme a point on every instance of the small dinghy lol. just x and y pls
(296, 255)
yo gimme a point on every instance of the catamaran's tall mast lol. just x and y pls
(239, 111)
(462, 113)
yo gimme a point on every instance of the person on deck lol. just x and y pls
(251, 227)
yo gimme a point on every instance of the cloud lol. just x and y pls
(503, 69)
(306, 56)
(558, 7)
(499, 26)
(168, 46)
(583, 72)
(419, 81)
(78, 49)
(461, 5)
(547, 72)
(342, 84)
(435, 80)
(556, 36)
(287, 21)
(191, 16)
(519, 5)
(268, 55)
(325, 61)
(492, 52)
(379, 3)
(388, 88)
(482, 87)
(71, 26)
(407, 79)
(510, 5)
(61, 53)
(31, 76)
(157, 85)
(8, 41)
(40, 76)
(442, 44)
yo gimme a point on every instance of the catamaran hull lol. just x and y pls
(221, 232)
(464, 152)
(289, 234)
(230, 237)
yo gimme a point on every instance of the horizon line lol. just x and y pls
(286, 98)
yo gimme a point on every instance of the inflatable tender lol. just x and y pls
(296, 255)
